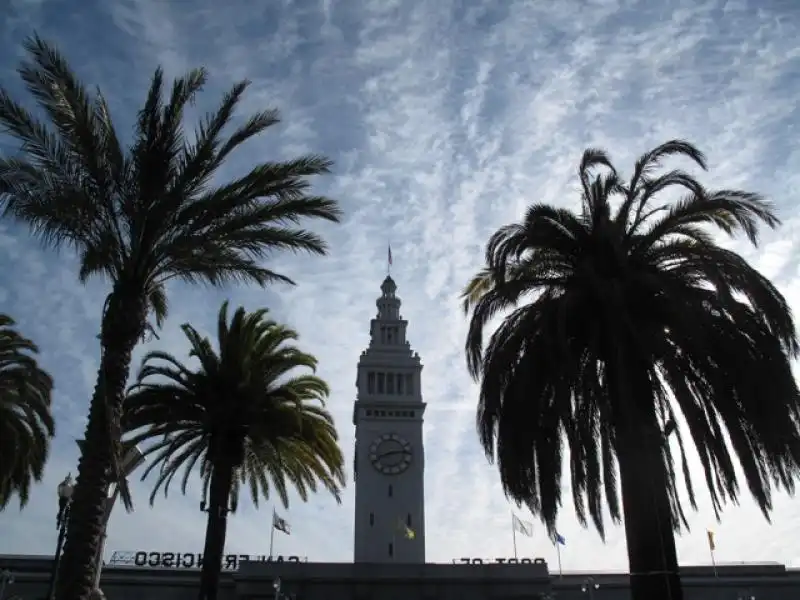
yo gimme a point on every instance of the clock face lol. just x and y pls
(390, 454)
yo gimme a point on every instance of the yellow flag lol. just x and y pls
(711, 545)
(409, 533)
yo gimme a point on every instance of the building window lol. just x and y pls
(411, 414)
(408, 519)
(391, 549)
(409, 384)
(371, 519)
(400, 380)
(391, 491)
(371, 383)
(381, 382)
(390, 383)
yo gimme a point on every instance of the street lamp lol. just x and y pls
(276, 585)
(64, 490)
(589, 586)
(6, 578)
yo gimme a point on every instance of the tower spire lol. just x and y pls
(388, 303)
(389, 261)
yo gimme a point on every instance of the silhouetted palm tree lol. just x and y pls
(244, 415)
(623, 317)
(141, 216)
(26, 424)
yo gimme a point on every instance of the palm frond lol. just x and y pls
(581, 296)
(26, 422)
(149, 212)
(244, 400)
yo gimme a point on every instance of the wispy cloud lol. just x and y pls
(445, 119)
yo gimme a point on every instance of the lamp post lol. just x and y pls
(589, 586)
(6, 578)
(64, 490)
(277, 587)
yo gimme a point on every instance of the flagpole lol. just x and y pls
(558, 551)
(272, 534)
(514, 535)
(711, 547)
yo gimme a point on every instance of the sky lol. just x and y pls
(445, 118)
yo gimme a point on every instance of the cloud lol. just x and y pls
(445, 120)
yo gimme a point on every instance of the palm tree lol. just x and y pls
(26, 424)
(244, 415)
(623, 317)
(141, 216)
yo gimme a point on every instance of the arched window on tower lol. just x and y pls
(371, 519)
(391, 490)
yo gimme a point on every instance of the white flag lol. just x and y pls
(524, 527)
(281, 524)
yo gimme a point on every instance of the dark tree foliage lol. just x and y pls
(140, 216)
(245, 416)
(26, 423)
(616, 319)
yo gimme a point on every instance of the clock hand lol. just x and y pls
(391, 452)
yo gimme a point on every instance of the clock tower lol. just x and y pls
(389, 467)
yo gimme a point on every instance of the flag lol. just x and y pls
(560, 539)
(407, 532)
(524, 527)
(711, 545)
(390, 254)
(281, 524)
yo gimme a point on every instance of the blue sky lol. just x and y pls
(445, 118)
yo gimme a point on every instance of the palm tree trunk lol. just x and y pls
(216, 527)
(649, 532)
(122, 328)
